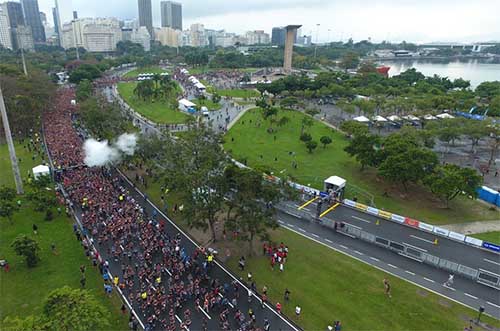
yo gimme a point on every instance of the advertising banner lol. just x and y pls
(384, 214)
(411, 222)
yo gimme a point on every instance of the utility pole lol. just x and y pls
(317, 40)
(10, 144)
(22, 57)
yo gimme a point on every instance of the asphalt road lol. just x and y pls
(463, 291)
(219, 271)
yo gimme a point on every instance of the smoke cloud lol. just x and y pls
(99, 153)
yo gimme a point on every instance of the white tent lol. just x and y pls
(200, 86)
(41, 170)
(411, 118)
(394, 118)
(444, 115)
(361, 119)
(336, 180)
(430, 117)
(185, 104)
(379, 118)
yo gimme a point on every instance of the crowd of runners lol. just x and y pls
(163, 281)
(223, 79)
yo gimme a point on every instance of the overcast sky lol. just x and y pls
(394, 20)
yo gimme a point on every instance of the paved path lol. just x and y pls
(474, 227)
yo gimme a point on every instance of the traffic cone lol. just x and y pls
(436, 241)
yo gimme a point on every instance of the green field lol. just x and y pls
(239, 93)
(492, 237)
(207, 103)
(136, 72)
(162, 112)
(331, 286)
(252, 142)
(200, 70)
(25, 161)
(22, 289)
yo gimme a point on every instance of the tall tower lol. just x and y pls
(146, 15)
(171, 14)
(57, 23)
(33, 20)
(291, 32)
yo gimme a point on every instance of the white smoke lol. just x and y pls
(127, 143)
(99, 153)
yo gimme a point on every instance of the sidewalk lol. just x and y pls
(474, 227)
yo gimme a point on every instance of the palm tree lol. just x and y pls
(306, 122)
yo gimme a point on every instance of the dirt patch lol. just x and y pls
(444, 303)
(422, 293)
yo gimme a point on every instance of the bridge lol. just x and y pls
(475, 47)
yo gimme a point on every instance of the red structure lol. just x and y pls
(384, 71)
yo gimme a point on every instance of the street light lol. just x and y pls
(317, 39)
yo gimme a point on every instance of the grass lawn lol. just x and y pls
(492, 237)
(22, 289)
(331, 286)
(207, 103)
(250, 141)
(136, 72)
(200, 70)
(26, 163)
(239, 93)
(163, 112)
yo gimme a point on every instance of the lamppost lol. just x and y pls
(317, 39)
(481, 311)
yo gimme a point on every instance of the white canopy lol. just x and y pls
(411, 118)
(41, 170)
(336, 180)
(394, 118)
(430, 117)
(379, 118)
(361, 119)
(186, 103)
(445, 115)
(200, 86)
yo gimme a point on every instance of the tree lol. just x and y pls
(216, 97)
(354, 128)
(325, 140)
(412, 165)
(289, 102)
(306, 122)
(73, 309)
(84, 89)
(27, 247)
(311, 145)
(283, 121)
(367, 67)
(494, 106)
(350, 60)
(364, 148)
(144, 90)
(84, 71)
(475, 131)
(305, 137)
(251, 206)
(448, 181)
(8, 206)
(195, 168)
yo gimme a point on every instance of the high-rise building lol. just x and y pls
(5, 36)
(43, 18)
(93, 34)
(257, 37)
(146, 15)
(168, 36)
(57, 23)
(278, 36)
(75, 14)
(33, 20)
(198, 35)
(171, 14)
(21, 35)
(141, 36)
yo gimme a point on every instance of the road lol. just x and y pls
(219, 271)
(463, 291)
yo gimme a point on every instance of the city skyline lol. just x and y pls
(410, 20)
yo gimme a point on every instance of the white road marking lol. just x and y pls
(344, 247)
(450, 288)
(290, 225)
(427, 241)
(204, 312)
(357, 227)
(328, 241)
(314, 235)
(374, 259)
(409, 272)
(416, 247)
(180, 321)
(389, 272)
(360, 219)
(302, 230)
(491, 261)
(358, 252)
(494, 305)
(470, 296)
(229, 303)
(392, 266)
(280, 221)
(429, 280)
